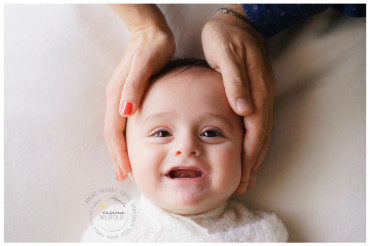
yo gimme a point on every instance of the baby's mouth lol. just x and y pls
(184, 173)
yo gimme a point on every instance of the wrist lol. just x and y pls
(150, 28)
(151, 23)
(142, 17)
(151, 33)
(236, 8)
(237, 17)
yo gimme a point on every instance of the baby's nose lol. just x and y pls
(188, 146)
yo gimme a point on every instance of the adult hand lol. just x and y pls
(236, 50)
(151, 47)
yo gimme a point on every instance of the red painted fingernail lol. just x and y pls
(122, 173)
(125, 108)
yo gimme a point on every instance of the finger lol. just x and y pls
(236, 84)
(114, 135)
(256, 132)
(119, 151)
(253, 140)
(242, 187)
(251, 148)
(117, 81)
(263, 151)
(135, 85)
(245, 177)
(257, 165)
(246, 168)
(118, 171)
(119, 76)
(114, 126)
(115, 165)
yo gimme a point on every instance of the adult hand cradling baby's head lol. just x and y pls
(235, 49)
(151, 47)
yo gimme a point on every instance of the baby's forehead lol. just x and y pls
(198, 76)
(185, 87)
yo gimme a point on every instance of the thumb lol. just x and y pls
(134, 88)
(235, 79)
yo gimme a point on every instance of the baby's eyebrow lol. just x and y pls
(205, 117)
(155, 116)
(219, 117)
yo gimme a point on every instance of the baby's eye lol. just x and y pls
(211, 134)
(161, 134)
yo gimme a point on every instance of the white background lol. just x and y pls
(58, 59)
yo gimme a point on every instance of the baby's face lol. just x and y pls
(185, 142)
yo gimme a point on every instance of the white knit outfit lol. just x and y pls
(230, 222)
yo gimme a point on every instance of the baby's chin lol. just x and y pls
(188, 204)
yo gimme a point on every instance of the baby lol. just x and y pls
(185, 145)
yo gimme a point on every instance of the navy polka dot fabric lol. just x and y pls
(270, 19)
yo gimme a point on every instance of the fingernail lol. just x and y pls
(116, 176)
(121, 172)
(243, 106)
(125, 108)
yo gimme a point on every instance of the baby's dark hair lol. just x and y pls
(184, 63)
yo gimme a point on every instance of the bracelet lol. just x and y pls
(228, 11)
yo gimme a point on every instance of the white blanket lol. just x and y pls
(230, 222)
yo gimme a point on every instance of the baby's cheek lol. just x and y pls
(139, 165)
(229, 163)
(145, 170)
